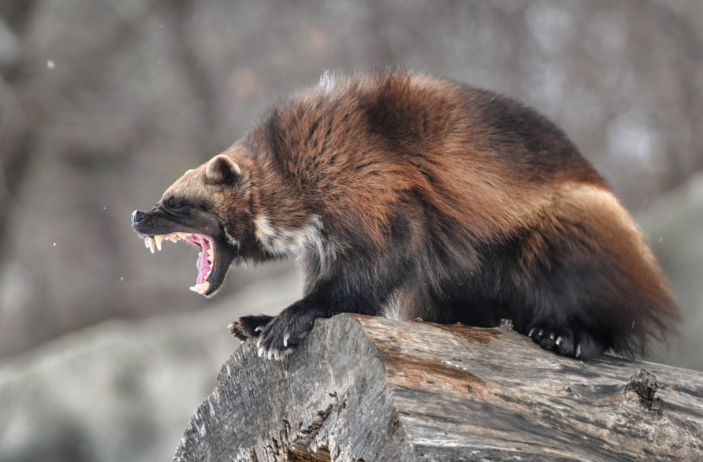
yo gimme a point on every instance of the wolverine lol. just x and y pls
(405, 195)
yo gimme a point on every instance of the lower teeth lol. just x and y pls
(155, 243)
(201, 288)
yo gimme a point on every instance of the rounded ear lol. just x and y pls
(222, 170)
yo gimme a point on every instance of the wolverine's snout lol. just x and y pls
(214, 257)
(137, 219)
(137, 216)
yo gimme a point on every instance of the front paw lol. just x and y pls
(285, 332)
(249, 326)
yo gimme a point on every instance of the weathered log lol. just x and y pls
(370, 389)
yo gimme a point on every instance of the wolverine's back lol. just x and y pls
(473, 153)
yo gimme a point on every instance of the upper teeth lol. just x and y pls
(151, 242)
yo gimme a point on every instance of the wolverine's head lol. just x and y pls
(208, 207)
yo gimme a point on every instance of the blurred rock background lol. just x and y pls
(103, 103)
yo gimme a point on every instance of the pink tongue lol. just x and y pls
(203, 263)
(203, 266)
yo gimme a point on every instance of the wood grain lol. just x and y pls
(372, 389)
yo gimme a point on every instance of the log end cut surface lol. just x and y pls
(372, 389)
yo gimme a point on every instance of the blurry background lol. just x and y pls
(104, 103)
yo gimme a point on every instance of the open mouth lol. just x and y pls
(206, 258)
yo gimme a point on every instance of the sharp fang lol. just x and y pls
(146, 242)
(201, 288)
(151, 245)
(158, 240)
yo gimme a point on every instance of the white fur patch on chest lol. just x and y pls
(279, 241)
(392, 309)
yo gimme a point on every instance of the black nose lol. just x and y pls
(137, 216)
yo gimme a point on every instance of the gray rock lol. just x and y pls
(9, 46)
(122, 391)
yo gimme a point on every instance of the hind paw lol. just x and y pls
(555, 339)
(579, 344)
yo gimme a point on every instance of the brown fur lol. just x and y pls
(427, 198)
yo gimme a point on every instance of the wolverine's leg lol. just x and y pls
(364, 292)
(359, 280)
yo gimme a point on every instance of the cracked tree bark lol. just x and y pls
(371, 389)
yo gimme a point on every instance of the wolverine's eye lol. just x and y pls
(175, 204)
